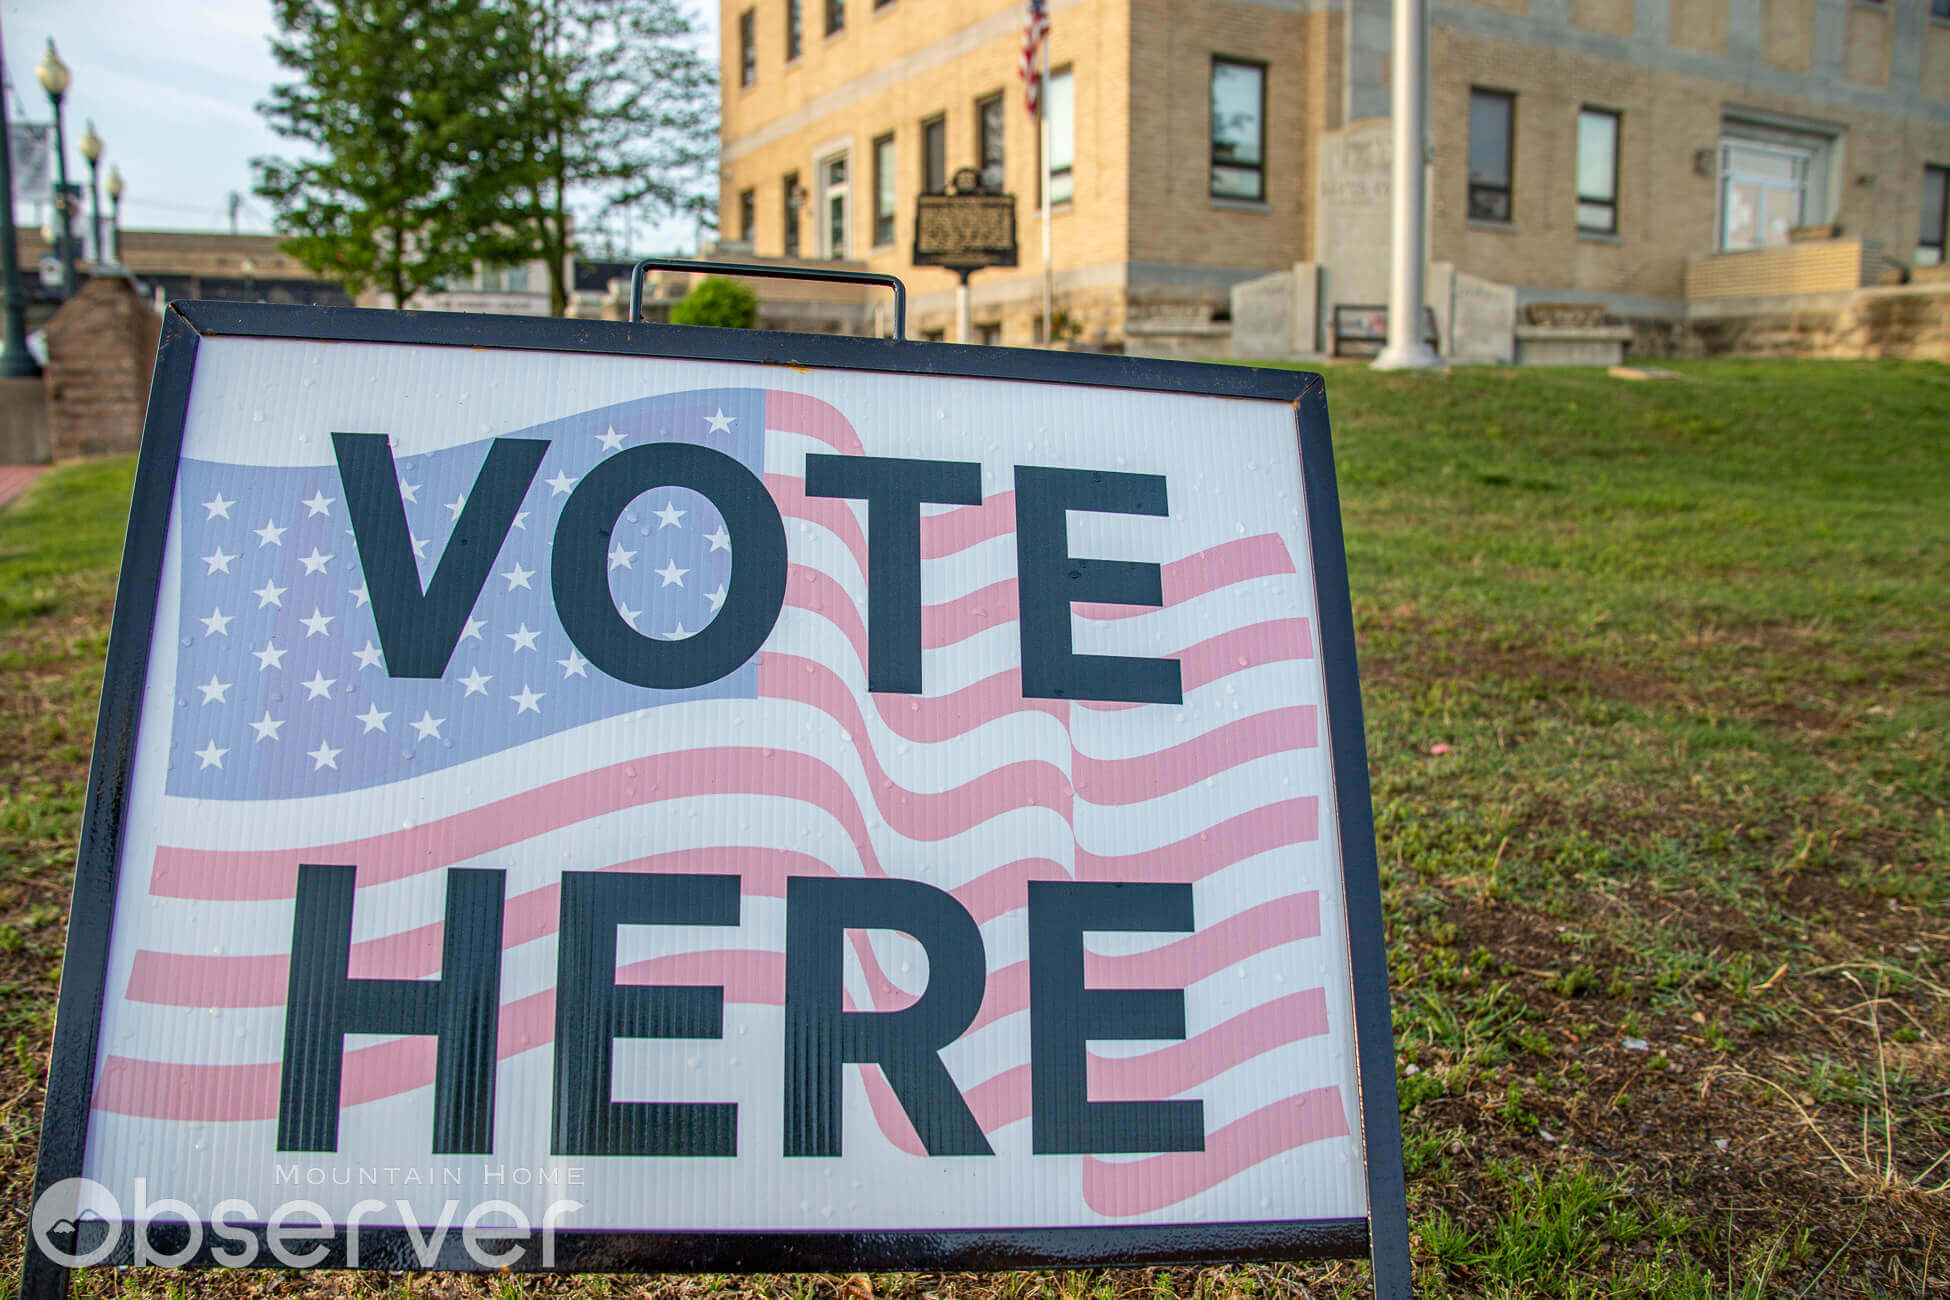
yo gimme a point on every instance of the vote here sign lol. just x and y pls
(581, 797)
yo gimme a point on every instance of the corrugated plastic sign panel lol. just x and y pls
(628, 798)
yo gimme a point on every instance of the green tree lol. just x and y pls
(616, 107)
(407, 172)
(717, 301)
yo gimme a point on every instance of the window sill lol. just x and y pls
(1494, 227)
(1600, 237)
(882, 10)
(1060, 210)
(887, 247)
(1239, 205)
(748, 88)
(834, 37)
(792, 64)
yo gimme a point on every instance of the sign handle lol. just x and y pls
(769, 272)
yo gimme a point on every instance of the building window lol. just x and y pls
(883, 191)
(517, 280)
(1936, 210)
(991, 120)
(1598, 171)
(835, 17)
(793, 198)
(1060, 104)
(748, 48)
(795, 29)
(1763, 193)
(1940, 9)
(833, 199)
(934, 156)
(748, 215)
(1238, 129)
(1492, 149)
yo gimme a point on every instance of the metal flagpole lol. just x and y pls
(1407, 289)
(1049, 201)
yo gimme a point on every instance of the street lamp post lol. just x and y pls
(115, 211)
(91, 149)
(16, 362)
(53, 76)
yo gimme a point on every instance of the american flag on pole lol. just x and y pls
(525, 757)
(1034, 32)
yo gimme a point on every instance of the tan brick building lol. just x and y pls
(1582, 150)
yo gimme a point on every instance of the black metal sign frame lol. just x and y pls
(1383, 1234)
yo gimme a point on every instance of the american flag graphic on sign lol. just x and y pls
(286, 741)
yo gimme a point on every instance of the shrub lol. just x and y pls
(717, 301)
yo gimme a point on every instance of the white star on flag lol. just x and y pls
(269, 535)
(428, 726)
(720, 423)
(669, 515)
(527, 702)
(458, 504)
(409, 491)
(518, 577)
(218, 624)
(323, 757)
(267, 726)
(629, 615)
(475, 683)
(574, 666)
(720, 540)
(612, 441)
(368, 657)
(671, 574)
(320, 504)
(715, 597)
(361, 595)
(472, 629)
(316, 624)
(522, 637)
(374, 719)
(560, 484)
(211, 755)
(270, 656)
(619, 558)
(319, 687)
(213, 691)
(218, 562)
(315, 563)
(270, 594)
(218, 508)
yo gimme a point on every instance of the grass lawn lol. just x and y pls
(1658, 691)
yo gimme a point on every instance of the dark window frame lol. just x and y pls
(1212, 143)
(795, 29)
(748, 215)
(1617, 117)
(1940, 10)
(934, 128)
(885, 159)
(790, 237)
(1508, 189)
(835, 17)
(1942, 243)
(982, 103)
(748, 48)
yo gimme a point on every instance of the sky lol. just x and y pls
(172, 87)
